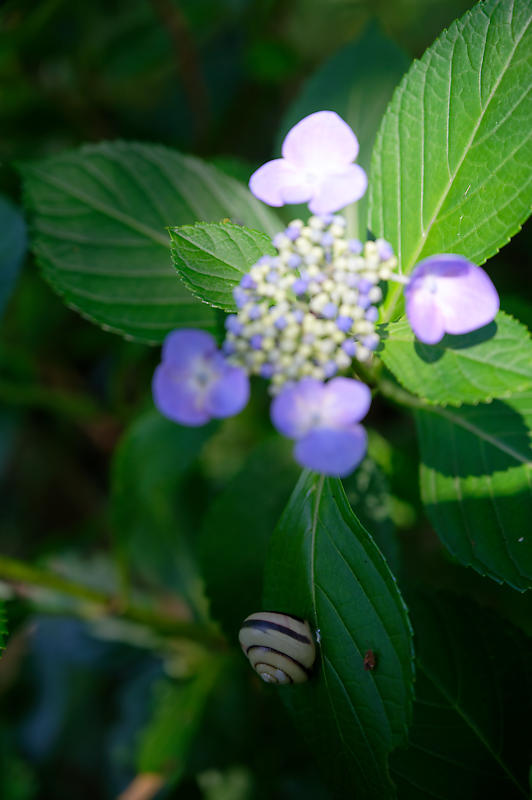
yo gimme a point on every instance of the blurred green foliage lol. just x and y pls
(82, 702)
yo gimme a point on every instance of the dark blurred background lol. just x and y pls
(212, 77)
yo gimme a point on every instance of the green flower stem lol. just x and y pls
(397, 395)
(108, 604)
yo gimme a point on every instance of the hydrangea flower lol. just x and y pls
(312, 308)
(448, 294)
(194, 383)
(306, 313)
(316, 168)
(322, 418)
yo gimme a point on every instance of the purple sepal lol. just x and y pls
(329, 310)
(384, 249)
(344, 324)
(354, 246)
(316, 167)
(247, 282)
(322, 418)
(332, 452)
(194, 383)
(448, 294)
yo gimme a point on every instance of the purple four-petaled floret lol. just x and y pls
(323, 419)
(194, 383)
(448, 294)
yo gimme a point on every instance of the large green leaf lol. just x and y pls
(100, 215)
(234, 538)
(475, 483)
(12, 248)
(495, 361)
(473, 703)
(357, 83)
(147, 511)
(325, 567)
(451, 167)
(212, 258)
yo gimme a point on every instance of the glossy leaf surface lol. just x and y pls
(325, 567)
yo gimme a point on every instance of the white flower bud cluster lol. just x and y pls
(312, 308)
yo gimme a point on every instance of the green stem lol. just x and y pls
(108, 604)
(400, 396)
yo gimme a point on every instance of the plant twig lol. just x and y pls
(108, 604)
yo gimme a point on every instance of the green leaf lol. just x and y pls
(494, 361)
(147, 517)
(368, 494)
(357, 83)
(450, 172)
(472, 706)
(3, 626)
(12, 248)
(177, 714)
(100, 215)
(475, 484)
(238, 525)
(212, 258)
(325, 567)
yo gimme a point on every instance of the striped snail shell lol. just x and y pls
(279, 647)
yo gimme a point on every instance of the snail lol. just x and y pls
(279, 647)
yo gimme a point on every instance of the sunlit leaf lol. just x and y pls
(450, 171)
(495, 361)
(212, 258)
(476, 478)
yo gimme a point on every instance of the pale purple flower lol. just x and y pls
(194, 383)
(322, 418)
(449, 294)
(316, 168)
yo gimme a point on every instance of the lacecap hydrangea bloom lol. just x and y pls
(308, 315)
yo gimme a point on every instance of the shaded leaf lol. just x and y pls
(450, 171)
(473, 702)
(323, 566)
(475, 483)
(100, 215)
(494, 361)
(146, 515)
(368, 494)
(212, 258)
(238, 525)
(177, 713)
(357, 82)
(12, 248)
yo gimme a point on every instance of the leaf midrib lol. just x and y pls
(476, 127)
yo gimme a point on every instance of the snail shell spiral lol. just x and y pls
(280, 647)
